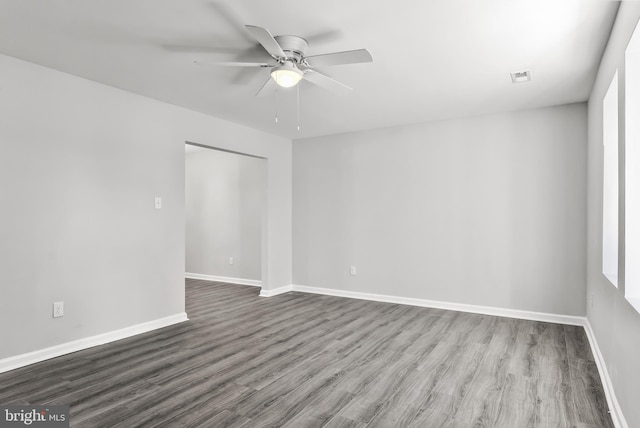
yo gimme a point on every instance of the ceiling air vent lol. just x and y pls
(521, 76)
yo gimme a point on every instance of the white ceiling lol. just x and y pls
(433, 59)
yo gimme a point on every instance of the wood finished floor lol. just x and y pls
(302, 360)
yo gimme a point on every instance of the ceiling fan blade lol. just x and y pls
(234, 64)
(264, 37)
(326, 82)
(231, 17)
(200, 48)
(338, 58)
(268, 87)
(323, 36)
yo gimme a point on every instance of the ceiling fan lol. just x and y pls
(290, 65)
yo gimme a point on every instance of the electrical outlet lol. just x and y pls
(58, 309)
(230, 260)
(353, 270)
(158, 203)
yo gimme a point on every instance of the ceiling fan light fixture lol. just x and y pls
(286, 74)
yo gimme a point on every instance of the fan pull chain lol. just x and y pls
(298, 104)
(276, 103)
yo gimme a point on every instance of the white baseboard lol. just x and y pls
(461, 307)
(614, 407)
(241, 281)
(276, 291)
(22, 360)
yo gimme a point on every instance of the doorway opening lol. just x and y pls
(225, 215)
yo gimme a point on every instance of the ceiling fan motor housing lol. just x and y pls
(294, 46)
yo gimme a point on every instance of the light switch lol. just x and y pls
(158, 202)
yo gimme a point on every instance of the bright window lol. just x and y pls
(632, 170)
(610, 183)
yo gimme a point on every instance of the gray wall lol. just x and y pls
(485, 211)
(615, 323)
(80, 165)
(225, 195)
